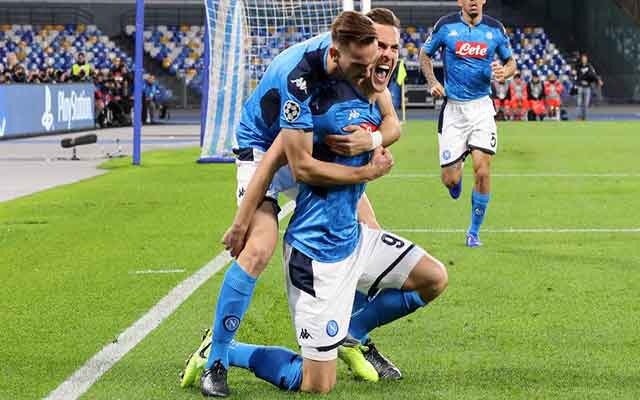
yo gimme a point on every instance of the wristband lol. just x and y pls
(376, 138)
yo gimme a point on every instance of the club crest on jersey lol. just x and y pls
(291, 111)
(471, 49)
(489, 35)
(301, 84)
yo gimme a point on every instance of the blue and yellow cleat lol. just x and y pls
(196, 362)
(472, 240)
(456, 190)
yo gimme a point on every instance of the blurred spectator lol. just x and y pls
(553, 90)
(586, 76)
(80, 71)
(500, 94)
(536, 94)
(19, 74)
(151, 93)
(519, 104)
(12, 63)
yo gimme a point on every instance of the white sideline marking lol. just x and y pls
(526, 175)
(81, 380)
(520, 230)
(156, 271)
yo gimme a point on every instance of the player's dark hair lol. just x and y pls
(352, 27)
(384, 16)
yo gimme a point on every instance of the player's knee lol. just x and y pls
(449, 179)
(482, 173)
(321, 385)
(254, 259)
(432, 280)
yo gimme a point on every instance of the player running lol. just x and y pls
(280, 104)
(328, 255)
(466, 125)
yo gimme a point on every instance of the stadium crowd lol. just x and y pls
(113, 87)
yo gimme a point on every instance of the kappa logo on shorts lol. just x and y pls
(332, 328)
(231, 323)
(291, 111)
(304, 334)
(446, 155)
(241, 192)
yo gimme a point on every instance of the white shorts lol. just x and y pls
(247, 164)
(464, 126)
(321, 294)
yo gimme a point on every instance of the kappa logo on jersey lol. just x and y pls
(291, 111)
(471, 49)
(304, 334)
(353, 114)
(301, 84)
(453, 33)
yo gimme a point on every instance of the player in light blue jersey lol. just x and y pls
(280, 106)
(469, 42)
(329, 255)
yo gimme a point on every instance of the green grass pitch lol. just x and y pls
(552, 315)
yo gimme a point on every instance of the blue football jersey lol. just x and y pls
(468, 52)
(324, 225)
(281, 99)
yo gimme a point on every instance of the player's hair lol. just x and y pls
(352, 27)
(384, 16)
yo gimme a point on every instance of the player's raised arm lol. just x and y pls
(390, 127)
(298, 147)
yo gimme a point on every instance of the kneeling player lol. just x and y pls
(328, 256)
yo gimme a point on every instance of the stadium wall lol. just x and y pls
(32, 109)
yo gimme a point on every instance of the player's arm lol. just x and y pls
(360, 140)
(272, 160)
(426, 65)
(508, 67)
(298, 148)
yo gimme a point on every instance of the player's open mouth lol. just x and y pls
(381, 72)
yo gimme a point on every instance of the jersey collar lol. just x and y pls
(467, 24)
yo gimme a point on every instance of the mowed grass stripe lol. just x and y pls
(549, 316)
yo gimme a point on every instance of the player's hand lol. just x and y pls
(498, 71)
(357, 142)
(437, 90)
(233, 239)
(381, 162)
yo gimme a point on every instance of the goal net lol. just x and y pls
(242, 38)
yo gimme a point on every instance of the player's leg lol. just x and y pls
(484, 143)
(399, 279)
(366, 215)
(480, 196)
(452, 145)
(236, 293)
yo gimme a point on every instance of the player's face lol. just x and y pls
(388, 49)
(472, 8)
(356, 61)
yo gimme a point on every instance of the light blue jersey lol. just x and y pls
(468, 54)
(324, 225)
(281, 99)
